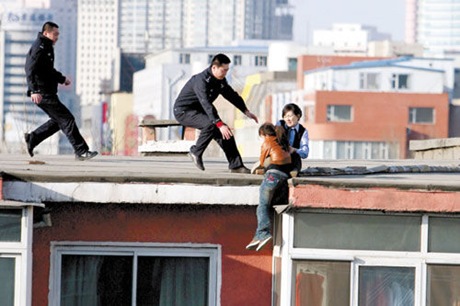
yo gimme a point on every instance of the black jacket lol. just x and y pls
(202, 90)
(41, 76)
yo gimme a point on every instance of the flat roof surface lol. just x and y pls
(410, 173)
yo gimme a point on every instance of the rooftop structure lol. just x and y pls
(141, 218)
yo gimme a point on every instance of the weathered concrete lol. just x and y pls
(439, 149)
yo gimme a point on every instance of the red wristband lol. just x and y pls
(219, 124)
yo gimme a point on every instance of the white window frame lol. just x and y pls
(359, 258)
(22, 252)
(213, 252)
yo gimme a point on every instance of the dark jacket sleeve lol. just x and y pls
(233, 97)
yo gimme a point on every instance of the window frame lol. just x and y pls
(21, 251)
(331, 110)
(413, 115)
(364, 81)
(60, 248)
(395, 81)
(360, 258)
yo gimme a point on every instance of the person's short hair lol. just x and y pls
(292, 107)
(49, 26)
(220, 59)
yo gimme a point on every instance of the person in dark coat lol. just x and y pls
(194, 108)
(42, 83)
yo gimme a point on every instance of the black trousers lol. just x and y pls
(209, 131)
(60, 119)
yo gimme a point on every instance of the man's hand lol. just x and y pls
(226, 132)
(36, 98)
(67, 81)
(251, 115)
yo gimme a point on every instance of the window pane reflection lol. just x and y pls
(389, 286)
(443, 285)
(10, 225)
(319, 283)
(7, 281)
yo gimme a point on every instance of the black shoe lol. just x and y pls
(197, 160)
(241, 169)
(85, 156)
(30, 149)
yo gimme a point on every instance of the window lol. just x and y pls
(443, 285)
(321, 282)
(136, 275)
(10, 225)
(369, 258)
(260, 60)
(292, 64)
(7, 279)
(237, 60)
(16, 224)
(387, 285)
(184, 58)
(339, 113)
(421, 115)
(357, 232)
(369, 81)
(400, 81)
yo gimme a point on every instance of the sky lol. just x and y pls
(388, 16)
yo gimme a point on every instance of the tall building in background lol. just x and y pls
(20, 24)
(434, 24)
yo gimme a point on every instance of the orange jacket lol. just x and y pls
(271, 148)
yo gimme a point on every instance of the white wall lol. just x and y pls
(421, 81)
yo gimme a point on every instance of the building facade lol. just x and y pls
(372, 110)
(373, 234)
(433, 24)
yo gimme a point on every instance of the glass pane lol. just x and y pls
(341, 150)
(7, 280)
(319, 283)
(96, 280)
(425, 115)
(357, 232)
(443, 235)
(389, 286)
(172, 281)
(443, 285)
(10, 225)
(342, 113)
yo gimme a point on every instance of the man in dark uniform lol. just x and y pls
(42, 82)
(194, 108)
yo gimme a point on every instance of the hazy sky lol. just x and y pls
(388, 16)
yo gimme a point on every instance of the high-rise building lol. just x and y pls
(20, 24)
(434, 24)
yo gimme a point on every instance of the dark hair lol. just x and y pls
(49, 26)
(292, 107)
(220, 59)
(268, 129)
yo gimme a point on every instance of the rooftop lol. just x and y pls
(409, 173)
